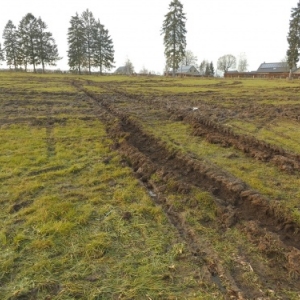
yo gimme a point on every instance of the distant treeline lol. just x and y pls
(31, 44)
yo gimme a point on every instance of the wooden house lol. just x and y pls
(187, 71)
(265, 70)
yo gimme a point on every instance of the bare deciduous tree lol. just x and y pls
(242, 63)
(144, 71)
(226, 62)
(129, 69)
(190, 59)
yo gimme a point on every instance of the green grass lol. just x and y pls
(75, 223)
(283, 133)
(263, 177)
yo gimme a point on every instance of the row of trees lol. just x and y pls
(206, 68)
(90, 44)
(174, 33)
(29, 44)
(224, 63)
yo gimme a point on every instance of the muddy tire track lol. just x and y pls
(219, 134)
(267, 226)
(216, 133)
(250, 204)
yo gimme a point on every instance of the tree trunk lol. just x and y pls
(89, 65)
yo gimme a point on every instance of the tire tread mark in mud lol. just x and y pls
(248, 204)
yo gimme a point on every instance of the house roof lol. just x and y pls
(185, 69)
(278, 67)
(120, 69)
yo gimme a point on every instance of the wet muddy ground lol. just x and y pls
(244, 242)
(267, 226)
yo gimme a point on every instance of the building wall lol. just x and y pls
(260, 75)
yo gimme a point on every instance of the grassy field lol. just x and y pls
(80, 221)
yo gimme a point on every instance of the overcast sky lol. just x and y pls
(257, 28)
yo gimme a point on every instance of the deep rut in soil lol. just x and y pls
(224, 186)
(249, 204)
(217, 133)
(147, 154)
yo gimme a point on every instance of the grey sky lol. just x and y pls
(257, 28)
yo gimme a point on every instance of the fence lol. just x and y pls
(271, 75)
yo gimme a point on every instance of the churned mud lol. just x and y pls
(267, 227)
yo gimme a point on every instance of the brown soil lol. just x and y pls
(267, 227)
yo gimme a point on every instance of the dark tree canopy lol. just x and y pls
(1, 53)
(46, 47)
(76, 41)
(211, 69)
(207, 68)
(11, 45)
(103, 48)
(30, 44)
(27, 32)
(89, 24)
(174, 33)
(294, 38)
(89, 44)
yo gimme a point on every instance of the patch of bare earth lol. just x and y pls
(273, 233)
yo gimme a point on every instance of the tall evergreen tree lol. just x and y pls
(76, 41)
(202, 67)
(88, 22)
(1, 53)
(294, 38)
(103, 48)
(11, 45)
(211, 69)
(207, 70)
(28, 41)
(174, 33)
(46, 47)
